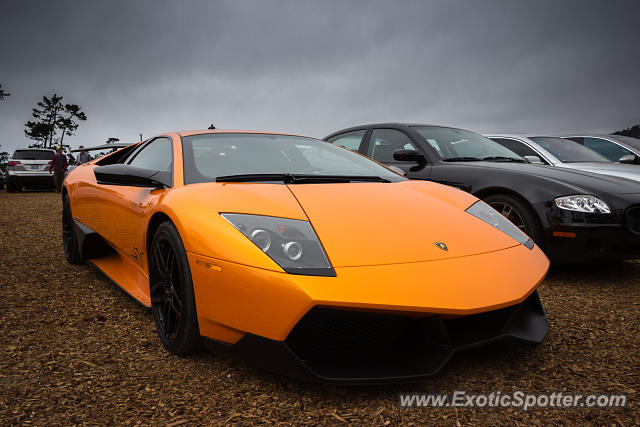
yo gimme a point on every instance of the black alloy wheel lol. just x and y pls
(69, 240)
(171, 291)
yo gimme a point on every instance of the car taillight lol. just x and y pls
(14, 163)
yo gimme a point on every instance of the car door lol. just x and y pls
(382, 142)
(123, 209)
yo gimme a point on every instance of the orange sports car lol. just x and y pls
(301, 257)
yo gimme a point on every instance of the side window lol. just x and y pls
(517, 147)
(610, 150)
(384, 142)
(156, 155)
(349, 140)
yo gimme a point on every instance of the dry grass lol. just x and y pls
(77, 350)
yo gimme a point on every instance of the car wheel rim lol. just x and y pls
(166, 289)
(67, 236)
(511, 213)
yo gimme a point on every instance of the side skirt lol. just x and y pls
(119, 269)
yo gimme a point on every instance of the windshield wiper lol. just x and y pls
(288, 178)
(462, 159)
(504, 158)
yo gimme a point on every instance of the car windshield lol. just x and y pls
(32, 155)
(208, 157)
(568, 151)
(633, 142)
(458, 144)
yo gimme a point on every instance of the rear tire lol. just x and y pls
(12, 188)
(69, 238)
(171, 289)
(521, 215)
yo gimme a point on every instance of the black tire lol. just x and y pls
(519, 213)
(69, 238)
(12, 188)
(171, 288)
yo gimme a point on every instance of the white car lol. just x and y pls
(29, 167)
(559, 152)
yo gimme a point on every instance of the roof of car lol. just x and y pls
(586, 134)
(205, 131)
(34, 149)
(519, 135)
(384, 124)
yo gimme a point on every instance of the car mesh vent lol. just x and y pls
(633, 219)
(349, 344)
(330, 332)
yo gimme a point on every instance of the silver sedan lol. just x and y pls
(559, 152)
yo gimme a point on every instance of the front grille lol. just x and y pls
(337, 342)
(633, 219)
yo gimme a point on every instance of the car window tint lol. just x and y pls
(517, 147)
(568, 151)
(450, 143)
(349, 140)
(384, 142)
(610, 150)
(157, 155)
(578, 139)
(33, 154)
(208, 156)
(634, 142)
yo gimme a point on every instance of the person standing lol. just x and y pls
(83, 157)
(58, 165)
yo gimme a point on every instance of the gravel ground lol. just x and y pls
(77, 350)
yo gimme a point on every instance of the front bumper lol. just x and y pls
(382, 323)
(580, 237)
(369, 347)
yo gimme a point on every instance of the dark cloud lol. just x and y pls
(312, 67)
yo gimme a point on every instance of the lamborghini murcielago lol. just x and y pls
(301, 257)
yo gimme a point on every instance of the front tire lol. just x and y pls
(521, 215)
(171, 289)
(69, 239)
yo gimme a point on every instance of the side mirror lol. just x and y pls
(119, 174)
(630, 159)
(534, 159)
(408, 156)
(398, 170)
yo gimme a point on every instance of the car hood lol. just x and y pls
(386, 223)
(574, 180)
(358, 224)
(613, 169)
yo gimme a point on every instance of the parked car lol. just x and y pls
(573, 215)
(301, 257)
(565, 153)
(617, 148)
(29, 167)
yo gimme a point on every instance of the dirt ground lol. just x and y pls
(77, 350)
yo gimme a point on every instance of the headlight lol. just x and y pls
(291, 243)
(494, 218)
(582, 203)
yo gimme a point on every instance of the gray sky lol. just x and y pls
(313, 67)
